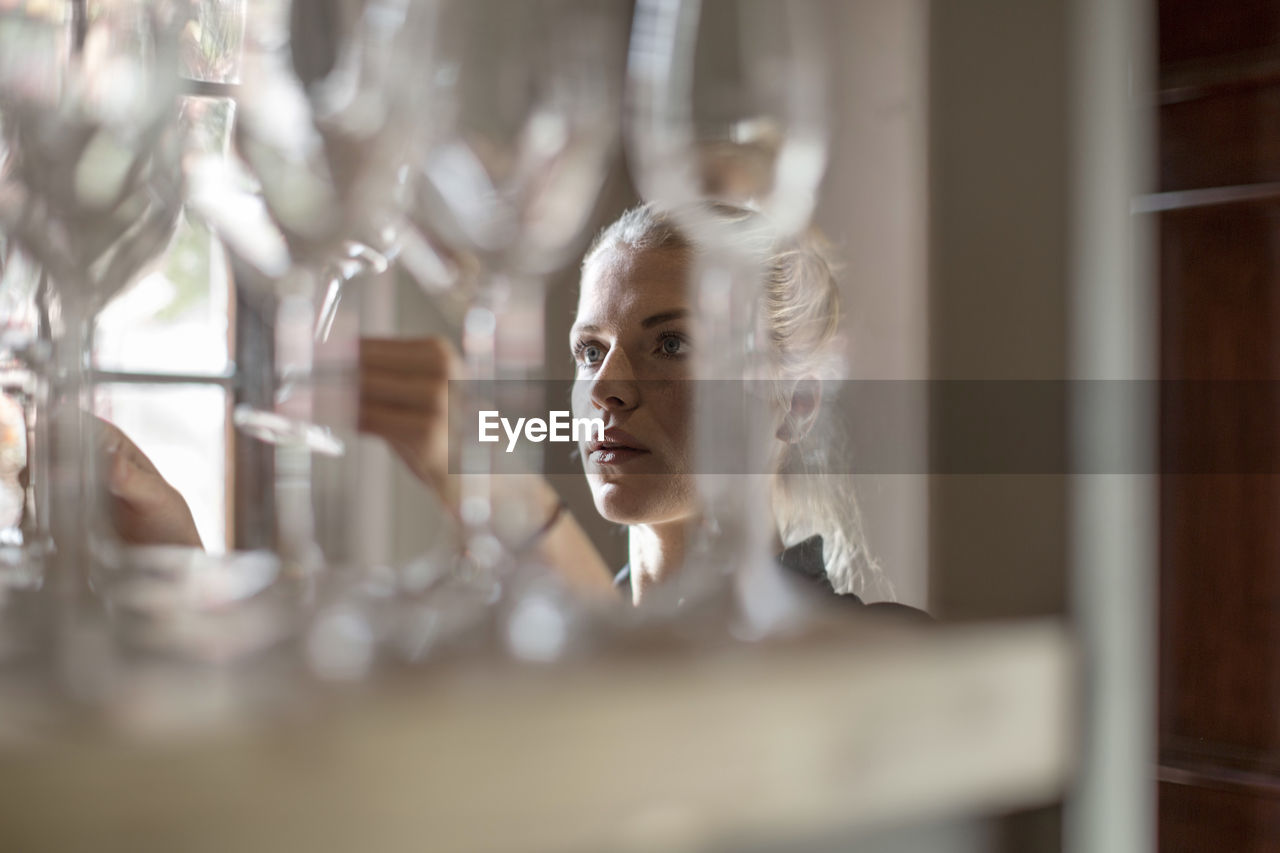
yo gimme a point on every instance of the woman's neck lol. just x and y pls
(656, 552)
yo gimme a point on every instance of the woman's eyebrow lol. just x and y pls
(664, 317)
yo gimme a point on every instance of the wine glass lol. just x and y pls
(727, 114)
(307, 203)
(727, 103)
(92, 192)
(519, 108)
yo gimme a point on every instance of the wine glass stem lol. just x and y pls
(730, 421)
(71, 450)
(295, 353)
(503, 348)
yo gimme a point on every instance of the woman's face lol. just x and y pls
(632, 350)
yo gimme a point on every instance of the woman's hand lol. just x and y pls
(404, 398)
(145, 509)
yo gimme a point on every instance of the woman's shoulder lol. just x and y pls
(804, 559)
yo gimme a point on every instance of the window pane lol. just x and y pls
(176, 318)
(183, 430)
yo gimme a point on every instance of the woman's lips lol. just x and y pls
(616, 455)
(616, 448)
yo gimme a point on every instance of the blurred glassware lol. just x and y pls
(212, 39)
(512, 153)
(91, 192)
(727, 106)
(728, 103)
(519, 112)
(164, 362)
(183, 603)
(23, 539)
(304, 202)
(24, 535)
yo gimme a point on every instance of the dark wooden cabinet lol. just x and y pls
(1206, 29)
(1219, 290)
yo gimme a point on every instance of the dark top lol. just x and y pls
(804, 559)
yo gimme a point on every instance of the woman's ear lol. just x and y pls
(802, 410)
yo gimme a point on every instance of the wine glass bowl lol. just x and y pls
(727, 103)
(93, 183)
(512, 153)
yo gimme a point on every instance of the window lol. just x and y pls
(164, 350)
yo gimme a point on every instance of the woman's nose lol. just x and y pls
(614, 387)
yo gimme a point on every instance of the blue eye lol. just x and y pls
(673, 345)
(589, 353)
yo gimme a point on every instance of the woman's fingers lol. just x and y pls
(382, 388)
(399, 422)
(420, 357)
(114, 442)
(404, 399)
(145, 509)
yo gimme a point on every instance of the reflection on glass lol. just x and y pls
(511, 158)
(212, 40)
(13, 459)
(175, 318)
(91, 192)
(19, 370)
(728, 104)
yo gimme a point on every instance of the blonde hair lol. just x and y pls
(801, 300)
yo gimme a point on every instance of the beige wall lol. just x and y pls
(874, 207)
(999, 260)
